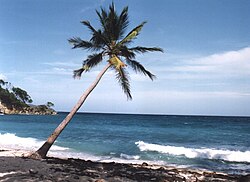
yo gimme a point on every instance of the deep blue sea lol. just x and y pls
(213, 143)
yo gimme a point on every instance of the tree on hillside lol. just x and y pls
(10, 100)
(6, 84)
(2, 83)
(108, 43)
(22, 95)
(50, 104)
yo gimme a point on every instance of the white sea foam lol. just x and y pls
(11, 141)
(129, 157)
(207, 153)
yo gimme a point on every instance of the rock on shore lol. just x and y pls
(54, 169)
(29, 110)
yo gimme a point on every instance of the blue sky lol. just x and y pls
(204, 70)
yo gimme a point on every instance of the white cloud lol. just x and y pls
(65, 64)
(192, 102)
(232, 62)
(3, 77)
(47, 72)
(228, 64)
(163, 95)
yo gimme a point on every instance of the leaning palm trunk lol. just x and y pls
(108, 41)
(43, 150)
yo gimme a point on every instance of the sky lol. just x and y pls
(204, 70)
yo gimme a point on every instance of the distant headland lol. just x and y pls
(14, 100)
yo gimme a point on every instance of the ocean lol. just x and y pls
(199, 142)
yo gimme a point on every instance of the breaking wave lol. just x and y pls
(206, 153)
(11, 141)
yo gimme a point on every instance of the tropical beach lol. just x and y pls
(118, 147)
(55, 169)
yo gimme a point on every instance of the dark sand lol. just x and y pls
(18, 169)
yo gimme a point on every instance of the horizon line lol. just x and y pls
(156, 114)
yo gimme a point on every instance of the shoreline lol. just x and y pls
(15, 166)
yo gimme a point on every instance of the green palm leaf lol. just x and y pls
(97, 36)
(112, 23)
(89, 63)
(103, 18)
(79, 43)
(123, 79)
(78, 73)
(113, 26)
(132, 35)
(93, 60)
(123, 22)
(125, 52)
(137, 67)
(140, 49)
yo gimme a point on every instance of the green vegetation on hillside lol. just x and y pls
(15, 98)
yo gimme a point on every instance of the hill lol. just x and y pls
(14, 100)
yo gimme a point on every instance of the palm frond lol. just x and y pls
(113, 26)
(112, 23)
(140, 49)
(89, 63)
(102, 18)
(77, 73)
(137, 67)
(123, 22)
(97, 37)
(90, 27)
(123, 79)
(79, 43)
(127, 53)
(132, 35)
(92, 61)
(109, 22)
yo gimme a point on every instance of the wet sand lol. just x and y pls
(13, 167)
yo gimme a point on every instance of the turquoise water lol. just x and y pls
(213, 143)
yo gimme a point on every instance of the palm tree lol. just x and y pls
(107, 42)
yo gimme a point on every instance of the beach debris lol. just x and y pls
(32, 171)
